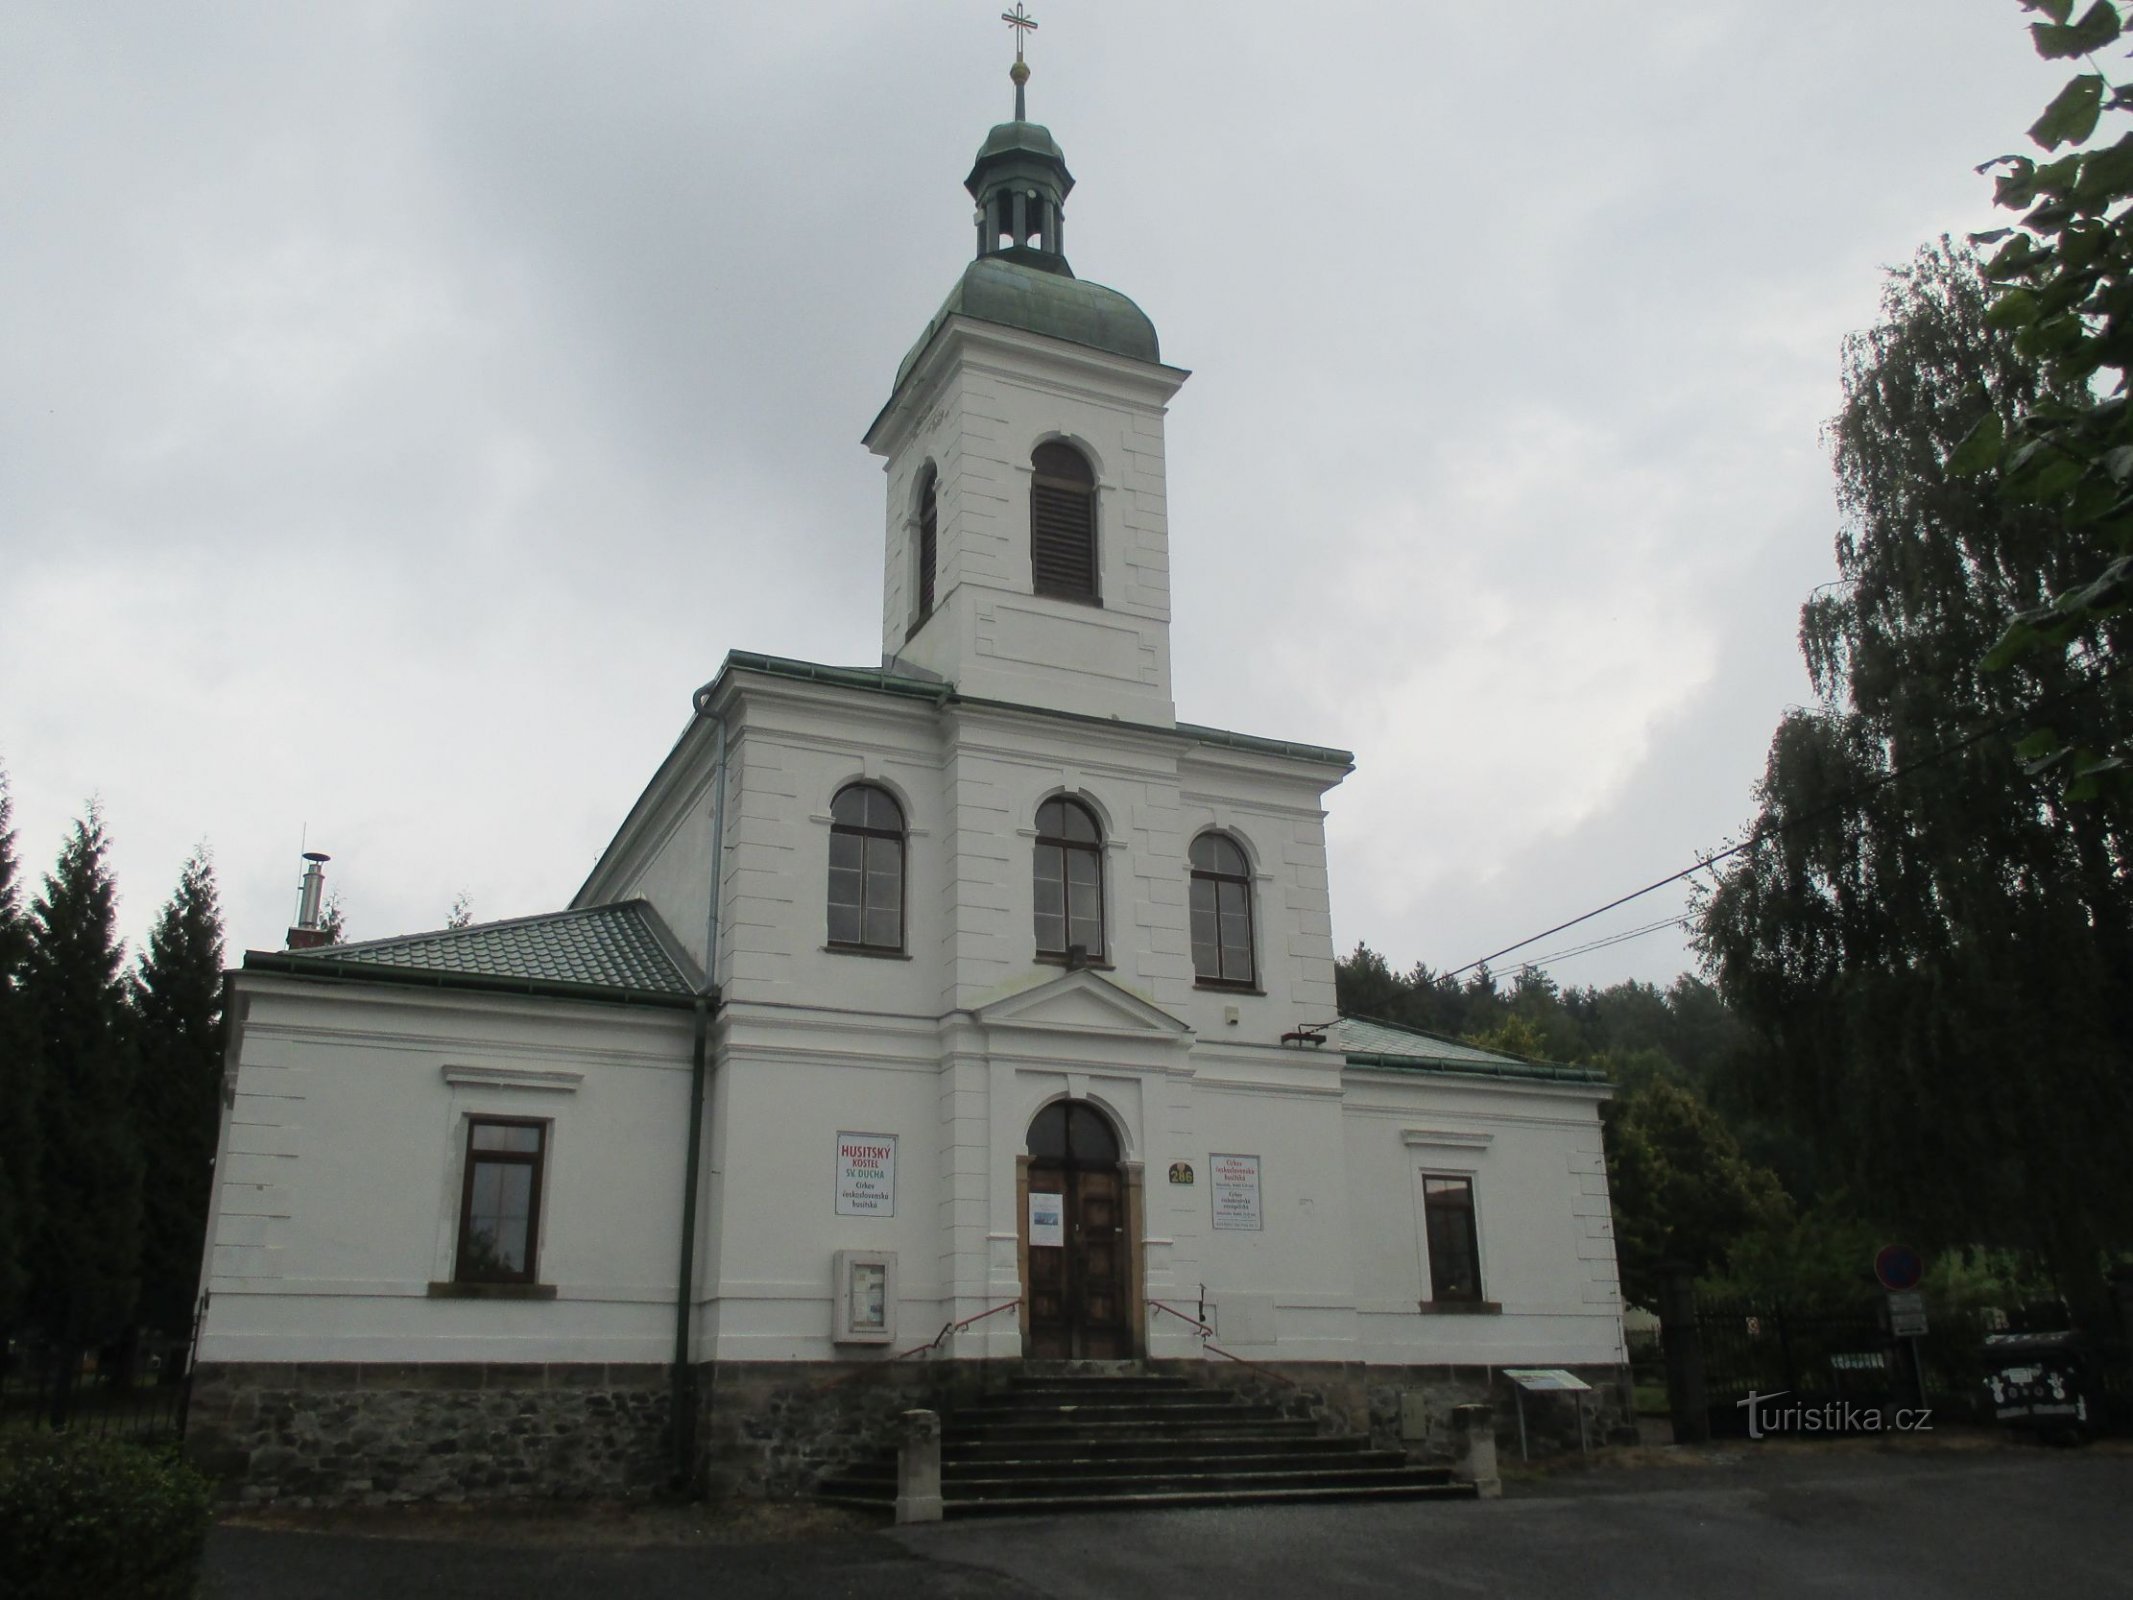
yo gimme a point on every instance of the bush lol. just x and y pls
(92, 1519)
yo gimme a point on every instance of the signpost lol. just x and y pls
(1547, 1380)
(1899, 1268)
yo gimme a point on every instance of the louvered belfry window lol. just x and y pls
(928, 544)
(1062, 523)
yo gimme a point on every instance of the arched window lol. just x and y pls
(866, 873)
(1073, 1133)
(928, 546)
(1070, 880)
(1062, 523)
(1221, 913)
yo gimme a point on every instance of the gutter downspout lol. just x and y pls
(683, 1402)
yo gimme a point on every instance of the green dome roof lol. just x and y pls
(1032, 137)
(1042, 299)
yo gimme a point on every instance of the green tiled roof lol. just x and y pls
(1382, 1044)
(622, 949)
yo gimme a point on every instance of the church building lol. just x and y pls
(923, 1021)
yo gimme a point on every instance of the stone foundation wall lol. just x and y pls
(374, 1433)
(1410, 1408)
(357, 1433)
(768, 1429)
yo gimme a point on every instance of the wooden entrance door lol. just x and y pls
(1078, 1293)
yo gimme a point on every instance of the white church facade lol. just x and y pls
(921, 1021)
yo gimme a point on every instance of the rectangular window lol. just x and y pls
(500, 1205)
(1454, 1248)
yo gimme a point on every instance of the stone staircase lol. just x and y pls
(1084, 1437)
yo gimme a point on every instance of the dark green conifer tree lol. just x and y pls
(85, 1260)
(18, 1085)
(177, 1004)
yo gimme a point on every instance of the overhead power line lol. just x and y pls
(1535, 963)
(1759, 835)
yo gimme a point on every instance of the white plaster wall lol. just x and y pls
(978, 405)
(1541, 1212)
(337, 1199)
(787, 1089)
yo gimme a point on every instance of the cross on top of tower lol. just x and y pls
(1022, 23)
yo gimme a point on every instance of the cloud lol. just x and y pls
(403, 408)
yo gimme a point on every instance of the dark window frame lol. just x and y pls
(929, 523)
(1063, 848)
(465, 1268)
(868, 836)
(1241, 882)
(1455, 1206)
(1063, 546)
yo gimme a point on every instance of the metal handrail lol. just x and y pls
(1206, 1336)
(1204, 1330)
(951, 1328)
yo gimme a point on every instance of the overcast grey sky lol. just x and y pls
(404, 407)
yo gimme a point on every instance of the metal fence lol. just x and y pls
(1832, 1357)
(1815, 1355)
(96, 1392)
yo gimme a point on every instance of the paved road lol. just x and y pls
(1957, 1527)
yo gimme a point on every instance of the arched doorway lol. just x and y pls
(1074, 1228)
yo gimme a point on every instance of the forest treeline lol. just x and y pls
(110, 1075)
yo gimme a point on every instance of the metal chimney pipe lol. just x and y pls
(313, 889)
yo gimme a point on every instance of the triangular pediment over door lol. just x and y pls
(1087, 1003)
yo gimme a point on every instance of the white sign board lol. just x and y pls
(866, 1174)
(1233, 1186)
(1546, 1380)
(1907, 1313)
(1047, 1219)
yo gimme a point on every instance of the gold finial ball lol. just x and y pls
(1019, 72)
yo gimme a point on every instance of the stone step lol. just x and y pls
(1052, 1394)
(1157, 1448)
(1178, 1500)
(1086, 1468)
(1076, 1485)
(1180, 1415)
(1161, 1500)
(1085, 1438)
(1144, 1428)
(1143, 1383)
(1057, 1367)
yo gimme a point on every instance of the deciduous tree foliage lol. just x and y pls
(1683, 1194)
(1934, 936)
(2066, 277)
(84, 1262)
(177, 1003)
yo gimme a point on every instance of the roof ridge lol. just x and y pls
(1425, 1033)
(1487, 1052)
(479, 927)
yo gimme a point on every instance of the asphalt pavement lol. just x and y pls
(1747, 1523)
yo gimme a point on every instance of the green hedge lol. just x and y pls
(93, 1519)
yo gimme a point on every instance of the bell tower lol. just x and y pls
(1028, 546)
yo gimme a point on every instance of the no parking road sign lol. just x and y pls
(1899, 1267)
